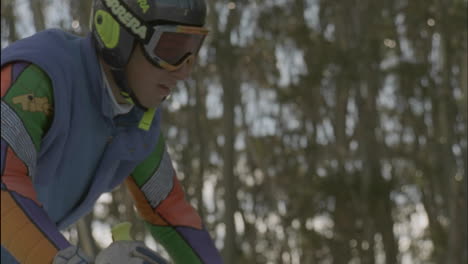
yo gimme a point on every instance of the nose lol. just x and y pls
(185, 70)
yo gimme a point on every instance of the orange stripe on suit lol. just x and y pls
(20, 236)
(177, 211)
(15, 177)
(144, 208)
(6, 78)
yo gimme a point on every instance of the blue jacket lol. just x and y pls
(86, 151)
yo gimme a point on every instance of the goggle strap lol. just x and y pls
(192, 30)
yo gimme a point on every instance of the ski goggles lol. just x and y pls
(170, 47)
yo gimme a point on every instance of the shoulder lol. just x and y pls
(27, 102)
(22, 77)
(48, 48)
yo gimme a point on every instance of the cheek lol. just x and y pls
(145, 88)
(138, 71)
(138, 79)
(143, 78)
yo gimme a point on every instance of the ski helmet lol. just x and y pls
(117, 25)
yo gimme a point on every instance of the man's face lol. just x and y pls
(150, 83)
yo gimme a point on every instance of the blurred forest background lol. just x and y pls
(313, 131)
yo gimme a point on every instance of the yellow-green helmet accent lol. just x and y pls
(107, 28)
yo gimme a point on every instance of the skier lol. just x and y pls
(80, 116)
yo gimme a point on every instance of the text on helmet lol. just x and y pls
(127, 18)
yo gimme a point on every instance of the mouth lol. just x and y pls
(164, 89)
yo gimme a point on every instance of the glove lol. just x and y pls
(128, 252)
(71, 255)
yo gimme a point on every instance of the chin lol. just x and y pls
(152, 104)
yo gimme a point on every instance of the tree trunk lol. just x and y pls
(81, 11)
(226, 63)
(229, 86)
(85, 237)
(200, 128)
(37, 9)
(9, 18)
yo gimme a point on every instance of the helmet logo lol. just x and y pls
(126, 18)
(143, 5)
(107, 28)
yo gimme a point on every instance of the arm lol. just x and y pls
(27, 233)
(170, 218)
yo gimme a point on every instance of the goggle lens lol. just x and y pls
(173, 47)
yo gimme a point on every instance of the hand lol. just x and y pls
(128, 252)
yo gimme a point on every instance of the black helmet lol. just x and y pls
(118, 24)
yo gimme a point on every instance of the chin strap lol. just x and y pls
(147, 119)
(129, 95)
